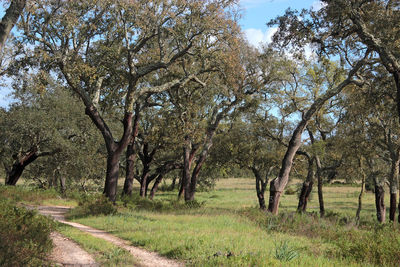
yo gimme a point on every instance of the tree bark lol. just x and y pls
(189, 195)
(380, 201)
(320, 184)
(112, 175)
(260, 188)
(62, 184)
(10, 18)
(114, 149)
(362, 190)
(155, 185)
(131, 156)
(185, 182)
(306, 188)
(19, 166)
(394, 183)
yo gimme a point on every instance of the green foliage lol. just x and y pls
(25, 236)
(379, 246)
(92, 205)
(32, 195)
(284, 252)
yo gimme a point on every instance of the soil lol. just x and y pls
(142, 256)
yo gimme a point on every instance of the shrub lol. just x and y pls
(136, 202)
(92, 205)
(379, 246)
(284, 252)
(25, 236)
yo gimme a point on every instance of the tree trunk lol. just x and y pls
(112, 175)
(143, 183)
(10, 18)
(274, 197)
(279, 183)
(260, 188)
(200, 161)
(361, 192)
(185, 186)
(172, 187)
(62, 184)
(393, 185)
(380, 201)
(13, 175)
(114, 149)
(320, 193)
(131, 155)
(307, 187)
(155, 185)
(396, 76)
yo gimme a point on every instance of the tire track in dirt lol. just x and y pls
(145, 258)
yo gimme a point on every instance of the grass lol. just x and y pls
(105, 253)
(229, 230)
(224, 233)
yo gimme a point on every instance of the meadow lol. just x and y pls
(224, 227)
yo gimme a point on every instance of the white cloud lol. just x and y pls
(317, 5)
(257, 37)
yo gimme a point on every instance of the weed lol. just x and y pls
(284, 252)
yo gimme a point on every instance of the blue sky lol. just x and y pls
(256, 13)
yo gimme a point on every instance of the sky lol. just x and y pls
(255, 15)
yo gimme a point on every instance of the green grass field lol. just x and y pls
(227, 229)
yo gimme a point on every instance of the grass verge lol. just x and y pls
(105, 253)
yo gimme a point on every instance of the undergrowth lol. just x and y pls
(25, 236)
(370, 243)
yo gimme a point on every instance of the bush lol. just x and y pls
(380, 246)
(92, 205)
(25, 236)
(136, 202)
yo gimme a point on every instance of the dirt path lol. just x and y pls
(68, 253)
(144, 257)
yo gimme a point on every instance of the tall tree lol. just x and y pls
(108, 49)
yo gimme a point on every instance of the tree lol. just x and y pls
(9, 19)
(108, 50)
(48, 129)
(245, 144)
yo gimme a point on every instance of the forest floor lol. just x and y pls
(67, 252)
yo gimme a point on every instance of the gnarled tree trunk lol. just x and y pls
(307, 187)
